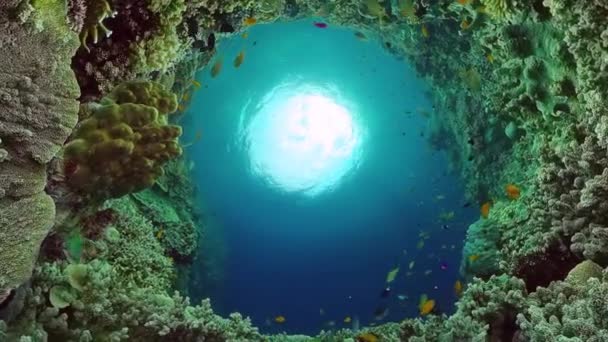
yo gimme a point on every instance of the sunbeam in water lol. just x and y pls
(302, 137)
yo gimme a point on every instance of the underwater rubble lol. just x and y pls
(90, 248)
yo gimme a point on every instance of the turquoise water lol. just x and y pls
(316, 180)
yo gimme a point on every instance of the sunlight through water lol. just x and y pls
(302, 137)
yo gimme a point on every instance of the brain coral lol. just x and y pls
(121, 146)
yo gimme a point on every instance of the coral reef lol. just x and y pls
(519, 94)
(121, 146)
(38, 110)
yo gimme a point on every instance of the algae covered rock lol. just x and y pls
(38, 110)
(121, 147)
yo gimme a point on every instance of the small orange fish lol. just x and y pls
(458, 288)
(250, 21)
(425, 31)
(280, 319)
(485, 209)
(465, 24)
(513, 191)
(245, 35)
(490, 58)
(239, 59)
(464, 2)
(216, 69)
(186, 96)
(426, 307)
(195, 83)
(181, 108)
(473, 257)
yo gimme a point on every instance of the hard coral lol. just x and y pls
(122, 146)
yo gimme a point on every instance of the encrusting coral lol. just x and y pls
(121, 146)
(38, 110)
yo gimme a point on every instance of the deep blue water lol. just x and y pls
(276, 252)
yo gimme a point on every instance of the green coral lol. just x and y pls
(121, 147)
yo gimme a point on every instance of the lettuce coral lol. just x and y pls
(121, 147)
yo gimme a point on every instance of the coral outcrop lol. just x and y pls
(38, 110)
(122, 144)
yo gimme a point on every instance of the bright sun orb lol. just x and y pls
(303, 138)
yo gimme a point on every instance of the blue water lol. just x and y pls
(291, 252)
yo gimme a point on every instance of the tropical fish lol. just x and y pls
(426, 305)
(513, 191)
(239, 59)
(411, 265)
(425, 31)
(485, 209)
(443, 266)
(347, 319)
(386, 292)
(321, 312)
(186, 96)
(280, 319)
(445, 227)
(250, 21)
(473, 257)
(465, 24)
(330, 323)
(464, 2)
(320, 24)
(439, 197)
(458, 288)
(368, 337)
(195, 83)
(427, 272)
(245, 35)
(390, 277)
(360, 35)
(216, 69)
(160, 233)
(402, 297)
(490, 58)
(380, 313)
(420, 244)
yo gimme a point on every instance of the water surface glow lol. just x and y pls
(303, 137)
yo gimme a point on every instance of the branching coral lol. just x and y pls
(122, 146)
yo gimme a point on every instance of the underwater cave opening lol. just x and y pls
(316, 180)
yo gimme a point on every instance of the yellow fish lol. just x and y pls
(245, 35)
(280, 319)
(458, 288)
(390, 277)
(368, 337)
(216, 69)
(426, 307)
(160, 234)
(239, 59)
(473, 257)
(250, 21)
(186, 96)
(195, 83)
(490, 58)
(425, 31)
(347, 319)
